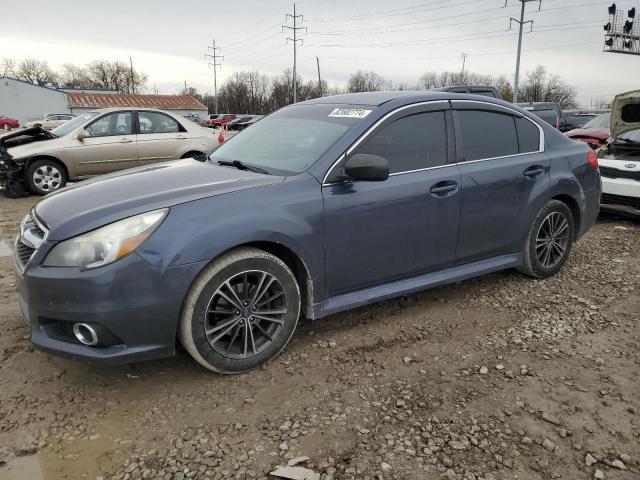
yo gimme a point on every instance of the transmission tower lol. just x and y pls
(295, 41)
(215, 57)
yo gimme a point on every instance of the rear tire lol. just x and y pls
(45, 176)
(549, 241)
(240, 312)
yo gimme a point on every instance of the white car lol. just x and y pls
(619, 159)
(51, 121)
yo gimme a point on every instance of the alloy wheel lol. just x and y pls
(245, 314)
(47, 178)
(552, 239)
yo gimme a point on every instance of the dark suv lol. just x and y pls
(323, 206)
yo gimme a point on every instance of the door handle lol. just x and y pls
(534, 171)
(125, 140)
(444, 189)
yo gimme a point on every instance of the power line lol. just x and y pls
(295, 41)
(379, 12)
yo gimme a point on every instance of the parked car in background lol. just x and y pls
(211, 118)
(322, 206)
(248, 123)
(49, 122)
(195, 118)
(575, 119)
(594, 133)
(223, 119)
(7, 123)
(484, 90)
(550, 112)
(97, 142)
(620, 157)
(233, 124)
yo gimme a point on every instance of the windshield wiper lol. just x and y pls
(626, 140)
(242, 166)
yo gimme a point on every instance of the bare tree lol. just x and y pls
(7, 67)
(74, 76)
(367, 82)
(36, 71)
(116, 75)
(539, 86)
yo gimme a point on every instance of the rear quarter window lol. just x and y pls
(528, 135)
(487, 134)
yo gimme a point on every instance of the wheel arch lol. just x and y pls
(573, 205)
(295, 263)
(191, 153)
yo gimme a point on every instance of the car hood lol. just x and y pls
(29, 141)
(625, 113)
(91, 204)
(599, 133)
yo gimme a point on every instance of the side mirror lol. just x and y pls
(368, 168)
(82, 134)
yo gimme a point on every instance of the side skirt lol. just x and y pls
(346, 301)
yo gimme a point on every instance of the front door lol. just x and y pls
(111, 145)
(160, 137)
(505, 177)
(376, 232)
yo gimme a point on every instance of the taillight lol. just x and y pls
(592, 159)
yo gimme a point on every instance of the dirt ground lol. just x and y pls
(495, 378)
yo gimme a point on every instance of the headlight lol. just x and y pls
(106, 244)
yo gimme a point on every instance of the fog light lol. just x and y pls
(85, 334)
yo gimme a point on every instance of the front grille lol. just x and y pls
(609, 172)
(621, 200)
(23, 252)
(32, 234)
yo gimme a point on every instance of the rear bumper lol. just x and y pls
(590, 211)
(136, 305)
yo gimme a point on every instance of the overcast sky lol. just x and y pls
(400, 39)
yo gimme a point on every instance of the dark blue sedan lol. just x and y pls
(318, 208)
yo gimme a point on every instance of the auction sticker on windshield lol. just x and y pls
(350, 112)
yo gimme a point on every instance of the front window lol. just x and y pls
(76, 122)
(601, 121)
(117, 123)
(292, 139)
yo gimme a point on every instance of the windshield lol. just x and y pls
(292, 139)
(601, 121)
(71, 125)
(633, 136)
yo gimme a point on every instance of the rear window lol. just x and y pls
(549, 116)
(487, 134)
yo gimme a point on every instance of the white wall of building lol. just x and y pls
(25, 101)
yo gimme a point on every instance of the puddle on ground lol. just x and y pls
(22, 468)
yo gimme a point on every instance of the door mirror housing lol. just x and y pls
(82, 134)
(366, 167)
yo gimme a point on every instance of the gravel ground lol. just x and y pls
(500, 377)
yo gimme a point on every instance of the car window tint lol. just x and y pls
(155, 122)
(487, 134)
(411, 143)
(117, 123)
(528, 136)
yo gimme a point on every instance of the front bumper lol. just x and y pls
(135, 304)
(621, 195)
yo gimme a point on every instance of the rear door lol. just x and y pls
(505, 174)
(160, 137)
(376, 232)
(111, 145)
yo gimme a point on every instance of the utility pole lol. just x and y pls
(464, 60)
(295, 41)
(521, 24)
(133, 86)
(215, 56)
(319, 80)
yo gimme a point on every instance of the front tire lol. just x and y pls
(45, 176)
(240, 312)
(549, 242)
